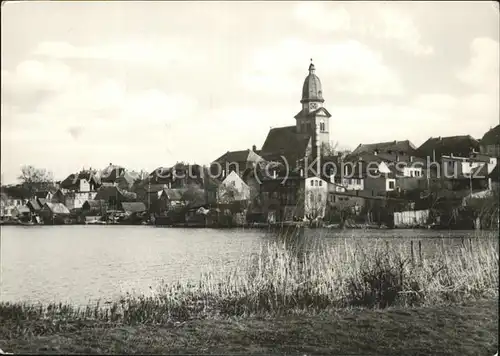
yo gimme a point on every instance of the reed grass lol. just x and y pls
(294, 275)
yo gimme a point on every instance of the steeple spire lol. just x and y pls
(311, 67)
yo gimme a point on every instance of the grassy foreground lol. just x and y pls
(446, 330)
(295, 295)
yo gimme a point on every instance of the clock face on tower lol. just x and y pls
(313, 106)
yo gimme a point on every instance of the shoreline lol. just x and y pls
(260, 226)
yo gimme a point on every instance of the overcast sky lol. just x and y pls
(146, 84)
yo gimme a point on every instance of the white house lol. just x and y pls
(453, 166)
(315, 197)
(233, 188)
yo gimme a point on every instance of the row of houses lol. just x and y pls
(273, 191)
(296, 175)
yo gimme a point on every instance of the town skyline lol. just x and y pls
(67, 87)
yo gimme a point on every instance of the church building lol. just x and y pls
(311, 132)
(306, 138)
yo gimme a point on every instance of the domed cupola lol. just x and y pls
(311, 91)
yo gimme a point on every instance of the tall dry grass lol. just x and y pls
(303, 275)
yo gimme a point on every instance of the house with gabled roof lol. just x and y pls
(178, 176)
(12, 197)
(34, 206)
(368, 171)
(490, 142)
(403, 149)
(127, 180)
(114, 196)
(111, 173)
(54, 213)
(234, 161)
(435, 147)
(83, 181)
(233, 188)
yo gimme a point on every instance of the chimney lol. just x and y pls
(254, 148)
(434, 155)
(110, 164)
(451, 155)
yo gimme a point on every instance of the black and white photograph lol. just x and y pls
(249, 177)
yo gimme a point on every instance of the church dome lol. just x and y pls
(311, 90)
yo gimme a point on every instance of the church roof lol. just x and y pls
(311, 90)
(285, 141)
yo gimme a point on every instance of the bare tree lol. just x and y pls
(329, 149)
(332, 149)
(35, 179)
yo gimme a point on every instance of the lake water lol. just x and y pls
(80, 263)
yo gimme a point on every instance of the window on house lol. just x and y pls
(320, 183)
(391, 184)
(322, 126)
(312, 183)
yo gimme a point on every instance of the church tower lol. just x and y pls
(313, 120)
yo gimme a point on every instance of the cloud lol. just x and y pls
(365, 19)
(313, 13)
(32, 81)
(347, 66)
(482, 72)
(77, 100)
(155, 52)
(436, 101)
